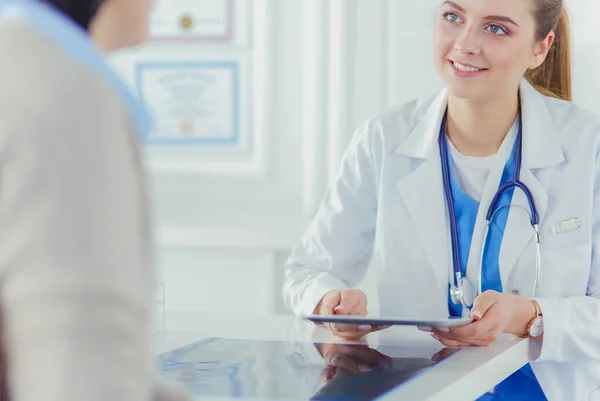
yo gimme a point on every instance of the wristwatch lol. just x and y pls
(535, 327)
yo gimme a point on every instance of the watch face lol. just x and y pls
(537, 328)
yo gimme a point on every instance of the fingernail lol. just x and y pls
(435, 336)
(424, 328)
(444, 329)
(385, 364)
(476, 314)
(364, 368)
(364, 327)
(339, 307)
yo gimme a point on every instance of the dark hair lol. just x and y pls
(80, 11)
(553, 77)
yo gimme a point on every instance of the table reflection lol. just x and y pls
(280, 370)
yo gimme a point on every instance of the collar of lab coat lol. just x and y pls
(541, 149)
(541, 146)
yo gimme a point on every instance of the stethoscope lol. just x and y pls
(461, 292)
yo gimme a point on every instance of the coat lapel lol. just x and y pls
(489, 191)
(519, 233)
(541, 149)
(422, 190)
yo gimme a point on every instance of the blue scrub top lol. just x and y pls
(521, 385)
(76, 43)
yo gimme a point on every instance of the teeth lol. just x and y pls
(466, 68)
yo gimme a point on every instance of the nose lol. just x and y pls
(468, 43)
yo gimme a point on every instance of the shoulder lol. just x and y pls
(29, 54)
(387, 129)
(574, 124)
(565, 113)
(43, 87)
(62, 123)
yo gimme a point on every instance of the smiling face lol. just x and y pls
(482, 48)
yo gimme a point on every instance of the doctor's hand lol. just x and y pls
(356, 358)
(493, 314)
(346, 302)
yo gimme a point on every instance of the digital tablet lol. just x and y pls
(450, 321)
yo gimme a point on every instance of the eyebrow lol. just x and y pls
(489, 17)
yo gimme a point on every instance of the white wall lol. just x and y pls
(317, 69)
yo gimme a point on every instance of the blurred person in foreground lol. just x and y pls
(76, 266)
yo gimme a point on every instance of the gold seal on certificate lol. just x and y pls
(192, 19)
(186, 22)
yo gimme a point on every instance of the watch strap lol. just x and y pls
(538, 314)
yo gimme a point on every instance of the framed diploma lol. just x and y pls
(193, 20)
(192, 102)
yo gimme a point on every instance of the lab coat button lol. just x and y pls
(516, 292)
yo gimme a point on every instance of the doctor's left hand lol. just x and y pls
(493, 314)
(346, 302)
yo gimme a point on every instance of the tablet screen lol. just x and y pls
(450, 321)
(278, 370)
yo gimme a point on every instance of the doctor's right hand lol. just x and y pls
(346, 302)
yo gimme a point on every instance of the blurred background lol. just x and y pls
(288, 82)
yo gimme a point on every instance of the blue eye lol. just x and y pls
(451, 17)
(496, 30)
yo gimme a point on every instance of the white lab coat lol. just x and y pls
(388, 204)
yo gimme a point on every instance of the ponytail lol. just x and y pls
(553, 77)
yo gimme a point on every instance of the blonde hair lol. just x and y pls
(553, 77)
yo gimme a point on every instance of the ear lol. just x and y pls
(541, 51)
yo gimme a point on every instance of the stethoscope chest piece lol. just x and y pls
(464, 294)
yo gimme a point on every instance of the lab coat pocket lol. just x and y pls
(565, 268)
(566, 233)
(566, 248)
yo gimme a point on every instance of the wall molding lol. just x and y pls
(241, 238)
(329, 91)
(341, 87)
(315, 107)
(264, 53)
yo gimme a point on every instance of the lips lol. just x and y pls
(463, 70)
(466, 67)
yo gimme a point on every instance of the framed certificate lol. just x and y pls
(193, 20)
(192, 102)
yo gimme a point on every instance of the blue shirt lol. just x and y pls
(521, 385)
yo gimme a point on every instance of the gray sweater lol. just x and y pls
(76, 268)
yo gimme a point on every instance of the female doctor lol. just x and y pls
(76, 273)
(482, 200)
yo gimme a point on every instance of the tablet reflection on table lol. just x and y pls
(288, 370)
(365, 372)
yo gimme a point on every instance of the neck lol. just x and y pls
(104, 31)
(478, 128)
